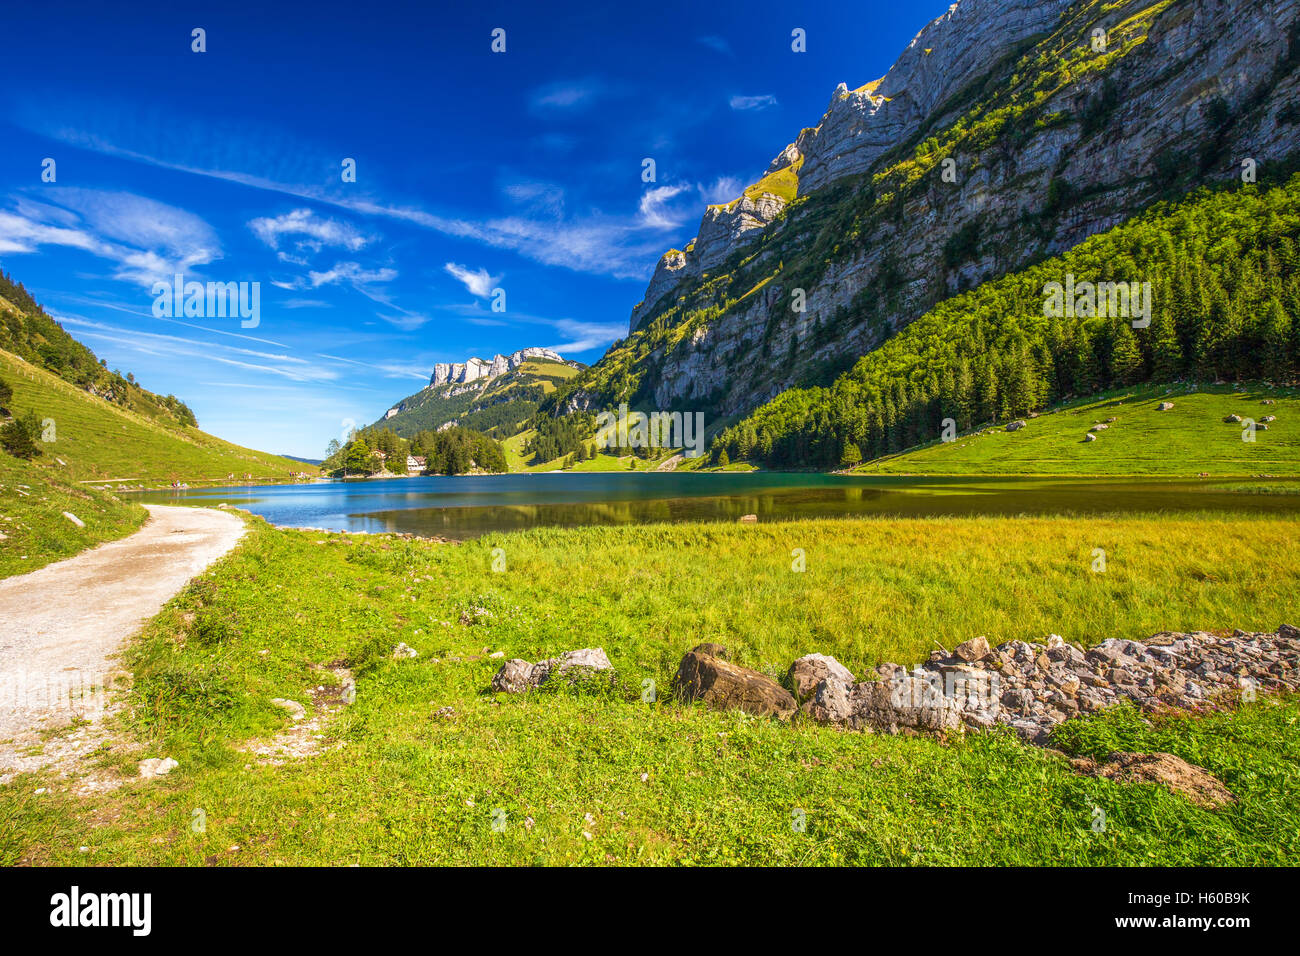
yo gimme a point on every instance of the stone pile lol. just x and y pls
(1027, 687)
(1033, 687)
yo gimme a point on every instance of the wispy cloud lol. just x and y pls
(583, 336)
(307, 232)
(760, 102)
(146, 239)
(656, 213)
(565, 95)
(478, 281)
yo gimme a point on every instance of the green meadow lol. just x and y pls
(427, 766)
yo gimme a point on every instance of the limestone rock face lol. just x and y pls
(726, 686)
(1165, 86)
(475, 368)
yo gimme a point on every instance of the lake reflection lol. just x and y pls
(467, 507)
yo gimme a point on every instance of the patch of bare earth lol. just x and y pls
(307, 736)
(1173, 773)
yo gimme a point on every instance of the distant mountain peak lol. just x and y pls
(476, 368)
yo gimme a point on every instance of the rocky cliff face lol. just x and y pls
(476, 369)
(1051, 140)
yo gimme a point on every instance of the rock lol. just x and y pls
(1268, 418)
(1288, 632)
(810, 670)
(517, 676)
(402, 651)
(713, 650)
(514, 677)
(1232, 418)
(1089, 437)
(749, 519)
(1099, 427)
(157, 767)
(1175, 774)
(908, 703)
(74, 519)
(295, 709)
(831, 703)
(1016, 425)
(726, 686)
(976, 649)
(1165, 407)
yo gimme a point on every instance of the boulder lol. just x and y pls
(1232, 418)
(1099, 428)
(1165, 407)
(906, 704)
(1089, 437)
(1016, 425)
(726, 686)
(749, 519)
(976, 649)
(832, 702)
(811, 669)
(516, 676)
(402, 650)
(713, 650)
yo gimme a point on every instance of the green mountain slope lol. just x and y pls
(498, 407)
(1225, 276)
(1191, 438)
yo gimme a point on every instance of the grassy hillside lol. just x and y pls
(1189, 439)
(33, 529)
(611, 779)
(97, 440)
(497, 407)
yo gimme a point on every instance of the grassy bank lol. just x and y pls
(33, 529)
(610, 778)
(1188, 439)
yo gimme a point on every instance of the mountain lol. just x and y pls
(1006, 132)
(492, 397)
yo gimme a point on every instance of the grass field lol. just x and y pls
(1189, 439)
(94, 439)
(608, 778)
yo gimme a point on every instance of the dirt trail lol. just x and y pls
(60, 625)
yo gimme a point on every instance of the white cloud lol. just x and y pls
(655, 210)
(352, 273)
(478, 281)
(147, 239)
(586, 335)
(318, 231)
(761, 102)
(565, 95)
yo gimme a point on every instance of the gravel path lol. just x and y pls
(60, 625)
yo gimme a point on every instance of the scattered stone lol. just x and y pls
(810, 670)
(726, 686)
(1090, 437)
(74, 519)
(749, 519)
(1101, 427)
(402, 651)
(1112, 420)
(517, 676)
(157, 767)
(1268, 418)
(443, 713)
(295, 709)
(1165, 406)
(1232, 418)
(1016, 425)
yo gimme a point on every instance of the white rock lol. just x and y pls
(157, 767)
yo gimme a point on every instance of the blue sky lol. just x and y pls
(474, 171)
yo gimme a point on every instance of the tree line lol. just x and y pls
(1225, 291)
